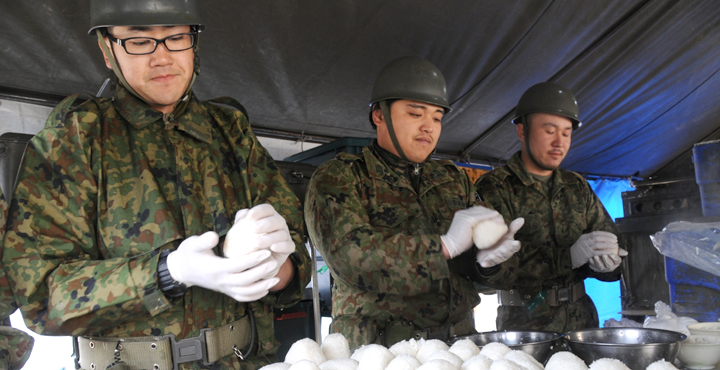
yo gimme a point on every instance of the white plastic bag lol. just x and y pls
(666, 319)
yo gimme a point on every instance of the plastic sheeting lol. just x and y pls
(645, 72)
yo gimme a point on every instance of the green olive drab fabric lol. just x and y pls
(15, 345)
(107, 185)
(381, 239)
(552, 225)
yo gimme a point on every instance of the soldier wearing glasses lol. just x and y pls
(122, 206)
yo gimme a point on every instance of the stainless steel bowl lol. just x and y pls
(636, 347)
(539, 344)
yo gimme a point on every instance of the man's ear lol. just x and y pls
(378, 117)
(521, 132)
(105, 40)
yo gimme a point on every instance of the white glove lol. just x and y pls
(607, 262)
(459, 237)
(260, 228)
(195, 263)
(503, 249)
(596, 243)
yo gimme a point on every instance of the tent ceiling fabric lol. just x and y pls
(645, 72)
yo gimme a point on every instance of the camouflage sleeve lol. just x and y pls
(7, 300)
(497, 196)
(359, 254)
(51, 250)
(267, 185)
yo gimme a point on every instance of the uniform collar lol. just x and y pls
(395, 172)
(190, 118)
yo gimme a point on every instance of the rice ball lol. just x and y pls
(464, 348)
(523, 359)
(276, 366)
(304, 365)
(447, 356)
(438, 364)
(405, 347)
(565, 361)
(487, 233)
(661, 365)
(608, 364)
(335, 346)
(339, 364)
(427, 347)
(495, 350)
(404, 362)
(305, 349)
(503, 364)
(374, 357)
(477, 362)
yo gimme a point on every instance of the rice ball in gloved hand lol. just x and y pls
(608, 364)
(335, 346)
(565, 361)
(304, 365)
(487, 233)
(447, 356)
(339, 364)
(438, 364)
(523, 359)
(305, 349)
(404, 362)
(495, 350)
(405, 347)
(661, 365)
(477, 362)
(464, 348)
(427, 347)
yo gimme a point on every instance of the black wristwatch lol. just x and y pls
(170, 288)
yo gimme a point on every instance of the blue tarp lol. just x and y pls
(607, 295)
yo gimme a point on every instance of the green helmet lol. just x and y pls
(107, 13)
(551, 98)
(411, 78)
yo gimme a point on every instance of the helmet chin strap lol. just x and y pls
(527, 146)
(386, 114)
(118, 72)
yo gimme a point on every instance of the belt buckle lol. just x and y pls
(563, 294)
(188, 349)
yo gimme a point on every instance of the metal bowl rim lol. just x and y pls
(556, 336)
(681, 337)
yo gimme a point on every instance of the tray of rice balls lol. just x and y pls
(592, 349)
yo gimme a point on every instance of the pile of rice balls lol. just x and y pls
(334, 354)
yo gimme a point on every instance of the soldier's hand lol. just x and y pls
(459, 237)
(596, 243)
(260, 228)
(607, 262)
(504, 248)
(243, 279)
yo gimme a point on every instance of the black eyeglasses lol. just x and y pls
(148, 45)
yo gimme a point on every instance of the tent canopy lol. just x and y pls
(645, 72)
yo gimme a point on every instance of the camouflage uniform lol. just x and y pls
(15, 345)
(381, 239)
(105, 186)
(552, 225)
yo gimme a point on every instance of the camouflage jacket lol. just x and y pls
(15, 345)
(552, 226)
(381, 240)
(107, 185)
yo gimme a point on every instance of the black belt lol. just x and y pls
(554, 296)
